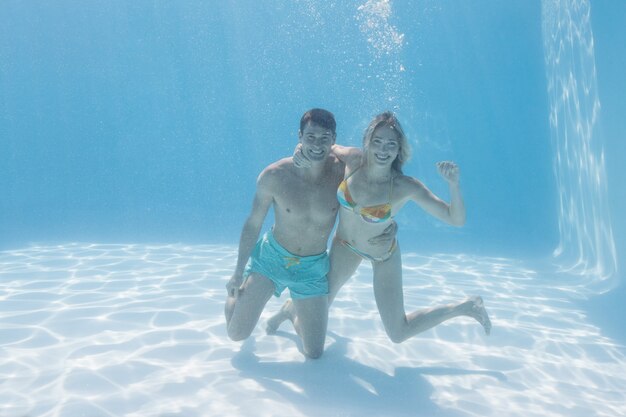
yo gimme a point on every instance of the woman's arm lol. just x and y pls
(346, 154)
(453, 213)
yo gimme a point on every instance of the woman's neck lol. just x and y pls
(377, 173)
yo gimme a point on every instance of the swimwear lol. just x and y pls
(305, 276)
(369, 257)
(372, 214)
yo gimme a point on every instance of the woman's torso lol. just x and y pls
(367, 209)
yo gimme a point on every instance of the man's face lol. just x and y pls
(316, 142)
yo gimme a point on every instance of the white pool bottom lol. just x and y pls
(137, 331)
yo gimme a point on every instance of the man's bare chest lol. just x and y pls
(309, 199)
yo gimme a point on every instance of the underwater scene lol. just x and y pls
(132, 136)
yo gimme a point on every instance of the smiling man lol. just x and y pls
(293, 254)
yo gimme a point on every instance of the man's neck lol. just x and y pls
(315, 172)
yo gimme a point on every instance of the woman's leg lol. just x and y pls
(390, 301)
(343, 264)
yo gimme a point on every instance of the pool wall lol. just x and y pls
(149, 121)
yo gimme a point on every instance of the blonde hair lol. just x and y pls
(389, 119)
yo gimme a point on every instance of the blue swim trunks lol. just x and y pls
(305, 276)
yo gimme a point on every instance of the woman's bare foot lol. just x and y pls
(285, 313)
(478, 312)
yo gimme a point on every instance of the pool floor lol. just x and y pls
(135, 330)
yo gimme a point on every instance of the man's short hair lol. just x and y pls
(320, 117)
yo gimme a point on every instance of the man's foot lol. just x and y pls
(479, 312)
(285, 313)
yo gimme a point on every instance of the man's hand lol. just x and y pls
(299, 160)
(234, 285)
(449, 171)
(386, 237)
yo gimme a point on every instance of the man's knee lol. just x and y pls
(237, 333)
(313, 347)
(314, 353)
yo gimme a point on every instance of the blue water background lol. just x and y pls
(148, 121)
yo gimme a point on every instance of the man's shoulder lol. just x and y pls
(281, 167)
(276, 171)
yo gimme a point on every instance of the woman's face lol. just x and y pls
(384, 146)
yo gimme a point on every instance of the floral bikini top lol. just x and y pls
(371, 214)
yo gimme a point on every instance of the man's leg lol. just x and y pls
(343, 264)
(242, 313)
(310, 323)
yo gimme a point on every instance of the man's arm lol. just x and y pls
(250, 232)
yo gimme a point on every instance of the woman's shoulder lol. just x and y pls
(406, 180)
(347, 154)
(407, 185)
(353, 163)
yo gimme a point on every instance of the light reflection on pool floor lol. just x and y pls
(133, 330)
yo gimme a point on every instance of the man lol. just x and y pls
(293, 254)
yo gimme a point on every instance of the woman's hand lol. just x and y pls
(386, 237)
(449, 171)
(299, 160)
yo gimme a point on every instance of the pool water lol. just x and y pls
(131, 135)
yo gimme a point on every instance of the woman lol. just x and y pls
(372, 193)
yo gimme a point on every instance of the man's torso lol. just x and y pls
(305, 210)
